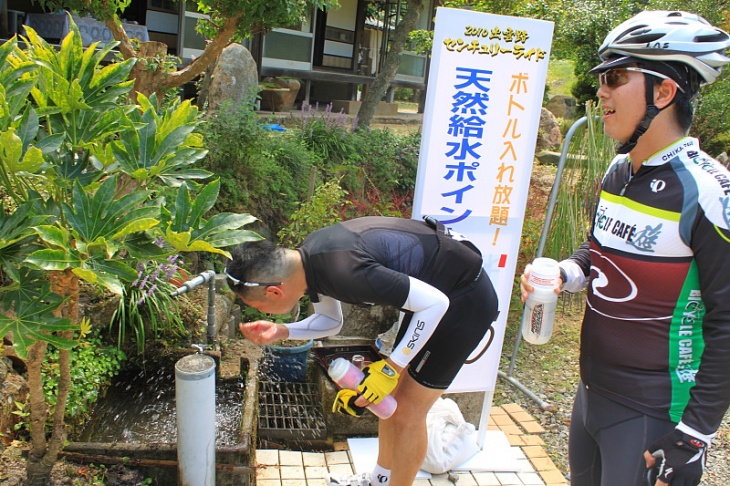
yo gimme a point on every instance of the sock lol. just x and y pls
(381, 476)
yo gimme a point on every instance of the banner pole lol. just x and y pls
(484, 418)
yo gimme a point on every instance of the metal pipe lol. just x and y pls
(211, 312)
(556, 185)
(514, 382)
(541, 246)
(195, 403)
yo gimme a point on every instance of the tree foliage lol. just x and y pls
(228, 21)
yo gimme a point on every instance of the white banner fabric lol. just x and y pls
(485, 89)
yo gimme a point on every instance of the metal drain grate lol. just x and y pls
(290, 411)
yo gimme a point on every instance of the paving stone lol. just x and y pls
(534, 451)
(534, 467)
(543, 463)
(515, 440)
(441, 480)
(503, 420)
(293, 482)
(267, 457)
(292, 472)
(511, 429)
(486, 478)
(508, 478)
(553, 477)
(522, 417)
(511, 408)
(268, 482)
(315, 482)
(267, 472)
(530, 479)
(532, 427)
(290, 458)
(313, 472)
(466, 479)
(533, 440)
(337, 457)
(313, 459)
(343, 469)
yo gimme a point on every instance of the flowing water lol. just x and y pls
(141, 408)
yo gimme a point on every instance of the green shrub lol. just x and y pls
(383, 178)
(323, 209)
(93, 365)
(269, 173)
(711, 124)
(326, 134)
(263, 171)
(590, 152)
(146, 310)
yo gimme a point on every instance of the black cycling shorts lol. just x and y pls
(472, 310)
(607, 441)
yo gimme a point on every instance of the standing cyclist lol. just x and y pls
(655, 341)
(447, 300)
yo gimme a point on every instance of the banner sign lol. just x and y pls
(485, 90)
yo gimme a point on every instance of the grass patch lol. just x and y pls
(560, 77)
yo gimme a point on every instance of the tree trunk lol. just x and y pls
(37, 470)
(149, 80)
(44, 453)
(149, 72)
(376, 91)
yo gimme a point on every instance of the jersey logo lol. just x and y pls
(657, 185)
(726, 209)
(610, 286)
(646, 239)
(601, 281)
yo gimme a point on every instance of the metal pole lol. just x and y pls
(211, 312)
(541, 246)
(195, 406)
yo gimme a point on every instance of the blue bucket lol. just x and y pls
(282, 363)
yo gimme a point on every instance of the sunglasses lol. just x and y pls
(613, 78)
(250, 284)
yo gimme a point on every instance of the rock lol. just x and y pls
(232, 77)
(367, 321)
(549, 136)
(281, 99)
(13, 389)
(723, 159)
(548, 157)
(562, 106)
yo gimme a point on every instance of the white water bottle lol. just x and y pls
(349, 376)
(539, 313)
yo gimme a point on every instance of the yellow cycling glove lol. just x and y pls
(379, 381)
(345, 403)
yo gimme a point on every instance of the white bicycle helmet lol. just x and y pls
(666, 36)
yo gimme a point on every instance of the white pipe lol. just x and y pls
(195, 402)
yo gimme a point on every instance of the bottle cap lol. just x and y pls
(338, 369)
(544, 272)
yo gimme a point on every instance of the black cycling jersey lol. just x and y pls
(656, 334)
(368, 260)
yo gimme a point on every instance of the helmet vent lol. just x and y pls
(716, 37)
(641, 38)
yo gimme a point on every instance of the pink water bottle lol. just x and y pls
(347, 375)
